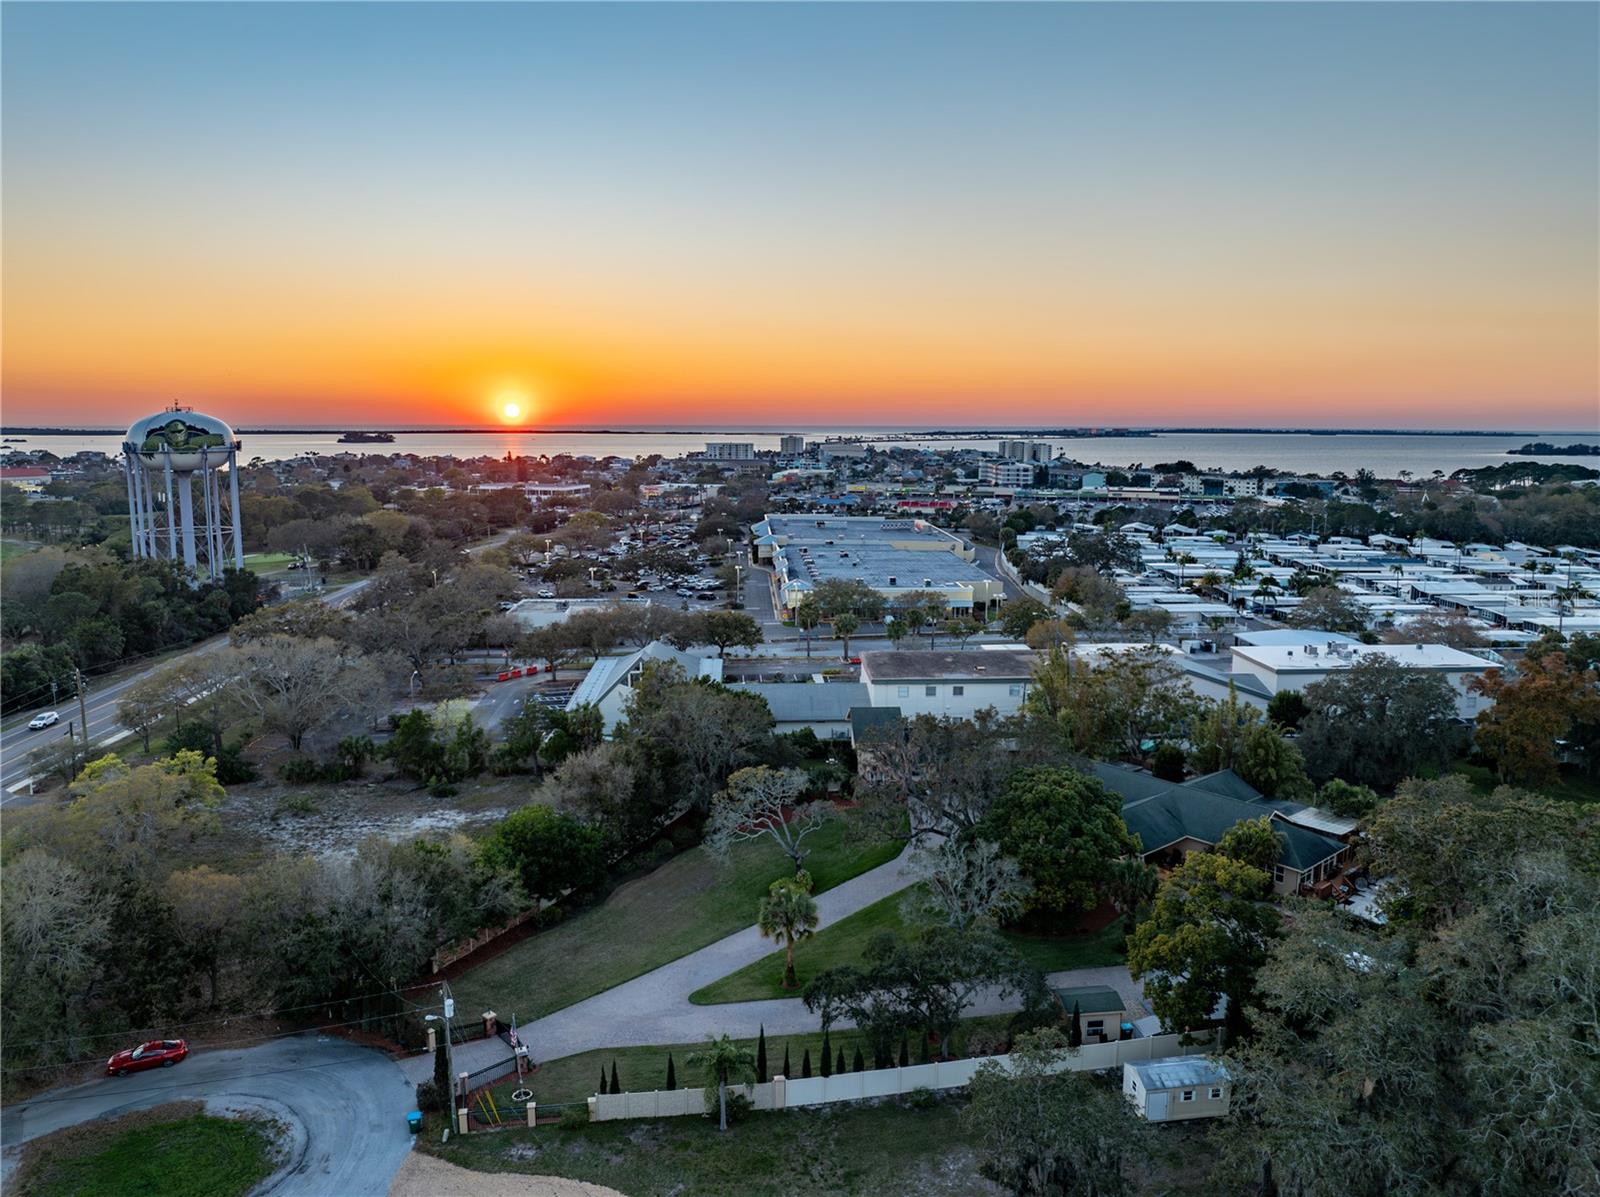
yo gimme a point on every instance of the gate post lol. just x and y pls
(532, 1119)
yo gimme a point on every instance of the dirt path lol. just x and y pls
(425, 1176)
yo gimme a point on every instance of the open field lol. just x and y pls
(174, 1150)
(846, 941)
(687, 903)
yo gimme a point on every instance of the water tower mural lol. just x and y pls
(174, 462)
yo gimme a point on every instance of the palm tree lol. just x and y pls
(725, 1063)
(1130, 884)
(1566, 596)
(1182, 559)
(844, 626)
(806, 618)
(896, 632)
(788, 914)
(913, 617)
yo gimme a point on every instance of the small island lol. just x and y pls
(367, 438)
(1546, 449)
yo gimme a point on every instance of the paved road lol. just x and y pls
(344, 1105)
(101, 703)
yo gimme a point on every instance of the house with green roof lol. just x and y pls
(1174, 819)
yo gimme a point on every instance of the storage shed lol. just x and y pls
(1176, 1088)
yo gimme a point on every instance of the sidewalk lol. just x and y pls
(655, 1007)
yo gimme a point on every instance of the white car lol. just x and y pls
(43, 719)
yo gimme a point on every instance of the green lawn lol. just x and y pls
(1573, 786)
(845, 941)
(196, 1155)
(838, 1151)
(267, 562)
(687, 903)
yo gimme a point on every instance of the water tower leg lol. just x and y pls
(135, 525)
(186, 514)
(238, 524)
(172, 520)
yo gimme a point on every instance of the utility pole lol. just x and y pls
(448, 1004)
(83, 710)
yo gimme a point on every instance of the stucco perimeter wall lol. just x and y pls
(783, 1093)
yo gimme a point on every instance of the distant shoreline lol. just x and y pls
(873, 433)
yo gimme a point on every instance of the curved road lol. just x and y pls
(344, 1105)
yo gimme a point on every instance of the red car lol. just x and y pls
(158, 1053)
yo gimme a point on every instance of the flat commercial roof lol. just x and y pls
(1293, 659)
(870, 549)
(893, 665)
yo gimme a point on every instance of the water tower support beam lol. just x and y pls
(233, 510)
(172, 517)
(135, 523)
(186, 516)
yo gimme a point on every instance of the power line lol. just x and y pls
(248, 1041)
(44, 1101)
(127, 1031)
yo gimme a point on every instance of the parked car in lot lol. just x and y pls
(158, 1053)
(44, 719)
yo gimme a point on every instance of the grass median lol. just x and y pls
(174, 1150)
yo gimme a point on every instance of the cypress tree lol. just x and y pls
(604, 1088)
(838, 1065)
(672, 1073)
(616, 1085)
(805, 1065)
(761, 1056)
(904, 1058)
(860, 1064)
(827, 1056)
(788, 1073)
(1075, 1031)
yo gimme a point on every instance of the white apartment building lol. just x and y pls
(1296, 666)
(791, 445)
(730, 451)
(959, 683)
(1032, 451)
(1008, 473)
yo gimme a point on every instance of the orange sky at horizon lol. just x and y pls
(993, 216)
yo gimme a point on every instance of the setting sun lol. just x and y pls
(512, 405)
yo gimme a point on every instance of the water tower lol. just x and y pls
(166, 459)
